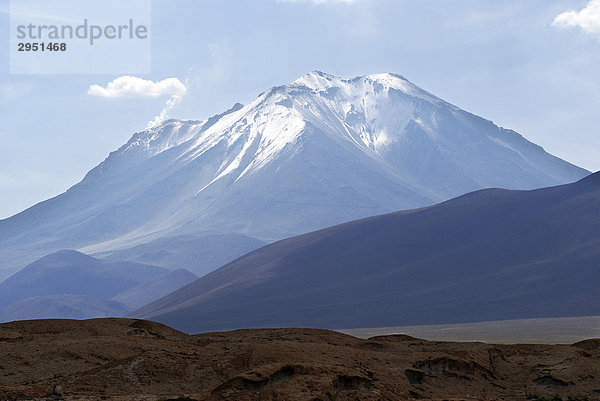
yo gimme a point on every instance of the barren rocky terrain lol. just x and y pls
(126, 359)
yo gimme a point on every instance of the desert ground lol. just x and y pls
(127, 359)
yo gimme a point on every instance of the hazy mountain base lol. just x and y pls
(63, 306)
(71, 285)
(155, 289)
(198, 253)
(71, 272)
(122, 359)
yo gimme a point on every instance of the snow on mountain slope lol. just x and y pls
(313, 153)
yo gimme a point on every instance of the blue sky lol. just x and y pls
(504, 60)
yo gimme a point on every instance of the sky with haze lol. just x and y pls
(531, 66)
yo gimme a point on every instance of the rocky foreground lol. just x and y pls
(124, 359)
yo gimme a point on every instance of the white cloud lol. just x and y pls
(316, 1)
(129, 86)
(588, 19)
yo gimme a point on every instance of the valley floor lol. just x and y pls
(126, 359)
(565, 330)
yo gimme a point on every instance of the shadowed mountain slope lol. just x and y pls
(489, 255)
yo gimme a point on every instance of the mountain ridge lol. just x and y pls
(489, 255)
(313, 153)
(72, 272)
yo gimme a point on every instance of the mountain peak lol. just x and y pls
(318, 80)
(380, 82)
(383, 116)
(313, 153)
(392, 80)
(317, 75)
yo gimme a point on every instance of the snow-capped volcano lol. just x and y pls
(367, 111)
(313, 153)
